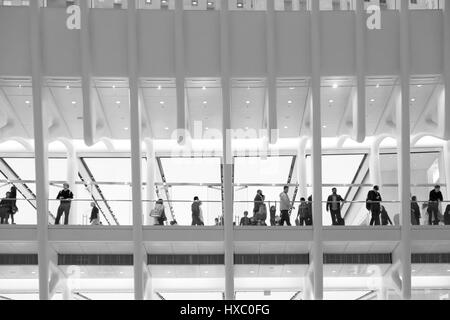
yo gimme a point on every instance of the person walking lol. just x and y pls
(373, 204)
(334, 207)
(94, 219)
(65, 196)
(195, 209)
(5, 208)
(415, 212)
(285, 207)
(434, 203)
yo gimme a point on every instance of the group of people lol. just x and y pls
(435, 199)
(8, 206)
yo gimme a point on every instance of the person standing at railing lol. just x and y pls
(13, 196)
(245, 220)
(66, 197)
(334, 206)
(434, 203)
(285, 207)
(94, 219)
(385, 220)
(373, 204)
(5, 208)
(415, 212)
(195, 208)
(257, 202)
(303, 213)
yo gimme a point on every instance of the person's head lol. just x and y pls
(160, 201)
(334, 190)
(66, 186)
(286, 189)
(259, 191)
(310, 198)
(376, 188)
(196, 199)
(302, 199)
(414, 198)
(246, 214)
(437, 188)
(92, 204)
(216, 220)
(8, 194)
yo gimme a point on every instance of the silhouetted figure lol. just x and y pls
(95, 218)
(196, 212)
(415, 212)
(385, 220)
(273, 213)
(14, 209)
(5, 208)
(447, 215)
(334, 206)
(257, 202)
(303, 215)
(373, 204)
(66, 197)
(285, 207)
(434, 202)
(245, 221)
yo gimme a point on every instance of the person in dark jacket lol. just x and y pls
(373, 204)
(13, 196)
(66, 197)
(245, 221)
(415, 212)
(257, 202)
(5, 208)
(94, 219)
(385, 220)
(309, 221)
(195, 208)
(334, 202)
(434, 203)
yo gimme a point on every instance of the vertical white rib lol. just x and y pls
(317, 249)
(359, 110)
(136, 152)
(227, 155)
(41, 149)
(89, 115)
(271, 72)
(180, 72)
(403, 127)
(446, 117)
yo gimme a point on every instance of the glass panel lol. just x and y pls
(110, 4)
(191, 170)
(253, 5)
(157, 4)
(201, 4)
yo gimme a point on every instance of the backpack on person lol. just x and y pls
(156, 212)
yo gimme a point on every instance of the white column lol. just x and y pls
(374, 163)
(41, 148)
(180, 72)
(301, 168)
(316, 125)
(446, 157)
(151, 165)
(403, 145)
(89, 115)
(359, 109)
(136, 151)
(446, 116)
(227, 158)
(271, 72)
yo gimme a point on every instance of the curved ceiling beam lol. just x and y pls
(25, 144)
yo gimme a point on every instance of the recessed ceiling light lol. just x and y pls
(335, 86)
(331, 101)
(159, 87)
(166, 128)
(285, 127)
(334, 271)
(413, 99)
(247, 102)
(291, 88)
(290, 102)
(246, 128)
(206, 271)
(27, 102)
(288, 271)
(161, 102)
(169, 272)
(206, 128)
(203, 88)
(324, 127)
(67, 87)
(248, 88)
(20, 86)
(413, 270)
(448, 270)
(125, 128)
(419, 86)
(252, 272)
(117, 102)
(372, 100)
(74, 102)
(121, 272)
(378, 85)
(113, 86)
(33, 272)
(205, 102)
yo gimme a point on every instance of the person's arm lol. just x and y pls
(328, 203)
